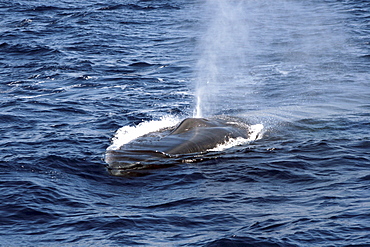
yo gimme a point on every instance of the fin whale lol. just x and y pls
(192, 135)
(195, 135)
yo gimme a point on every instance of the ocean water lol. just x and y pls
(74, 73)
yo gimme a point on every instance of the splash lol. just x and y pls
(255, 133)
(127, 134)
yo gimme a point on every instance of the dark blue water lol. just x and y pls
(73, 72)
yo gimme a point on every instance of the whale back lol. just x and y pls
(192, 135)
(199, 134)
(191, 123)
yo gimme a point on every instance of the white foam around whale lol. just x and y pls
(127, 134)
(255, 133)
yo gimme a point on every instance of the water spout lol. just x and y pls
(222, 55)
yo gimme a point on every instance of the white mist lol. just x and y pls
(222, 54)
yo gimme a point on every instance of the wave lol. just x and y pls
(26, 49)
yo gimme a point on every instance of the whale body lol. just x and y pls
(191, 136)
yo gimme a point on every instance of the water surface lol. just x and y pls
(73, 73)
